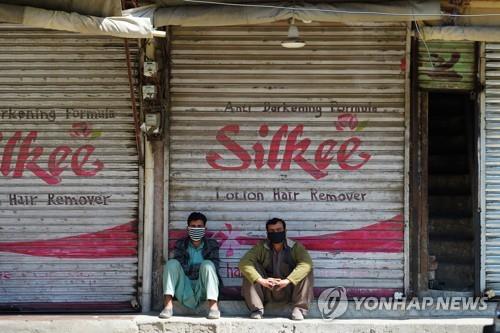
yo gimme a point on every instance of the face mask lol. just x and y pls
(276, 237)
(196, 234)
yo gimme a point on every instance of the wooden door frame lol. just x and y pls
(419, 219)
(419, 194)
(418, 178)
(419, 142)
(476, 168)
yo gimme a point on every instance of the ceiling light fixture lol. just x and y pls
(293, 40)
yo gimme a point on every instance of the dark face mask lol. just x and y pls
(276, 237)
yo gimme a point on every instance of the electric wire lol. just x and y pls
(234, 4)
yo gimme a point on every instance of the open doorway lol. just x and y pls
(451, 172)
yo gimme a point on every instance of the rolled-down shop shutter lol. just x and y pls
(446, 65)
(333, 115)
(69, 173)
(491, 171)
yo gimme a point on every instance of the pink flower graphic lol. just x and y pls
(229, 239)
(81, 130)
(346, 120)
(84, 130)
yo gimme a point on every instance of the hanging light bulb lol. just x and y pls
(293, 40)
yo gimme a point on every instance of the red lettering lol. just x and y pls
(274, 150)
(343, 155)
(322, 159)
(8, 152)
(28, 156)
(23, 162)
(291, 146)
(294, 151)
(259, 149)
(213, 157)
(78, 166)
(54, 163)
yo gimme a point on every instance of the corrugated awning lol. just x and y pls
(458, 33)
(100, 8)
(124, 25)
(141, 22)
(231, 14)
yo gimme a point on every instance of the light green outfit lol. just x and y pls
(191, 292)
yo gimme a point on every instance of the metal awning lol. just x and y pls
(92, 17)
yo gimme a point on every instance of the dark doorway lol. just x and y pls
(451, 191)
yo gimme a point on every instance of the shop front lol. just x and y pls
(69, 173)
(316, 136)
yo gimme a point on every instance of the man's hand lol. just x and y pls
(268, 283)
(282, 284)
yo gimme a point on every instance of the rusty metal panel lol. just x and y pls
(491, 168)
(69, 173)
(314, 136)
(446, 65)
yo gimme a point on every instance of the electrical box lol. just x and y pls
(150, 68)
(148, 91)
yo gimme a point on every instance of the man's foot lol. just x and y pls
(257, 314)
(166, 313)
(213, 314)
(213, 309)
(297, 314)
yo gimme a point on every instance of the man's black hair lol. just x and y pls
(275, 220)
(197, 216)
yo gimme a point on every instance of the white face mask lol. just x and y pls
(196, 234)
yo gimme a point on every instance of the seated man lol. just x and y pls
(192, 275)
(277, 269)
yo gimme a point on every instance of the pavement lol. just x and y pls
(235, 320)
(152, 324)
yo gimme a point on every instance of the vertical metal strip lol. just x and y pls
(134, 107)
(482, 165)
(166, 173)
(148, 227)
(407, 162)
(415, 173)
(475, 138)
(424, 193)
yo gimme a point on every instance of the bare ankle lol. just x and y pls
(168, 301)
(212, 304)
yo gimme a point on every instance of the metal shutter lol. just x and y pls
(491, 175)
(350, 220)
(68, 218)
(446, 65)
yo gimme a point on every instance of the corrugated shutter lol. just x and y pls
(69, 173)
(492, 173)
(345, 91)
(446, 65)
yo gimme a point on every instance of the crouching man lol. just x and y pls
(192, 276)
(277, 270)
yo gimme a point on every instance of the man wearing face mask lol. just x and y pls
(278, 270)
(192, 275)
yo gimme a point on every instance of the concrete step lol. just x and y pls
(152, 324)
(353, 311)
